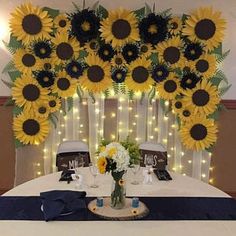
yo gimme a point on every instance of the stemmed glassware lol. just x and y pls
(135, 169)
(94, 171)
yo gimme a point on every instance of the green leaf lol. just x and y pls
(70, 102)
(107, 93)
(82, 54)
(221, 58)
(92, 97)
(63, 106)
(103, 13)
(78, 90)
(18, 143)
(222, 107)
(9, 102)
(215, 115)
(224, 89)
(166, 13)
(151, 95)
(17, 110)
(154, 58)
(140, 13)
(14, 75)
(9, 67)
(8, 84)
(10, 49)
(52, 12)
(216, 81)
(162, 103)
(185, 17)
(53, 118)
(211, 148)
(14, 43)
(115, 87)
(178, 121)
(122, 88)
(148, 9)
(142, 97)
(95, 6)
(131, 94)
(218, 50)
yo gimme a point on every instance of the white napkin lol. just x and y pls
(78, 179)
(147, 173)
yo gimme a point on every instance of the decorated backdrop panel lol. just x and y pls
(97, 53)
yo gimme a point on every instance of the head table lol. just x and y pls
(180, 186)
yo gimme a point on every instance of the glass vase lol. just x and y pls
(118, 191)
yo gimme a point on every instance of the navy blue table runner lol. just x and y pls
(161, 208)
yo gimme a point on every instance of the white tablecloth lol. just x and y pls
(179, 186)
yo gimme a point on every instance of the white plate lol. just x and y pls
(63, 214)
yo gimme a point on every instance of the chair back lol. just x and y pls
(71, 153)
(153, 154)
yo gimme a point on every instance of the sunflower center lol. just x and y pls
(31, 92)
(178, 105)
(198, 132)
(130, 53)
(45, 79)
(205, 29)
(42, 50)
(188, 81)
(152, 29)
(159, 73)
(62, 23)
(174, 25)
(63, 83)
(74, 69)
(32, 24)
(28, 60)
(85, 26)
(31, 127)
(52, 103)
(64, 51)
(200, 97)
(93, 45)
(192, 52)
(47, 66)
(171, 55)
(144, 49)
(106, 52)
(202, 66)
(119, 75)
(170, 86)
(186, 113)
(118, 61)
(95, 73)
(121, 29)
(140, 74)
(42, 110)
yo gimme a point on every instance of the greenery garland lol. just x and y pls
(175, 59)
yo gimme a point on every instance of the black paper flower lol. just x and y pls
(119, 75)
(106, 52)
(74, 69)
(193, 51)
(160, 73)
(153, 29)
(45, 78)
(130, 52)
(189, 80)
(42, 49)
(85, 25)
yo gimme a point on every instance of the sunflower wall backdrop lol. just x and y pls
(98, 53)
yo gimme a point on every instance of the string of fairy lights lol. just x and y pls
(160, 127)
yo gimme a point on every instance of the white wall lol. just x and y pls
(228, 7)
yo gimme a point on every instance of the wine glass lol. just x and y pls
(79, 163)
(135, 169)
(94, 171)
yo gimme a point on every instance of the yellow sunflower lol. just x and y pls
(120, 27)
(25, 61)
(198, 133)
(41, 110)
(97, 77)
(62, 23)
(185, 114)
(203, 99)
(46, 64)
(92, 46)
(205, 65)
(29, 23)
(64, 85)
(177, 106)
(146, 50)
(30, 130)
(65, 48)
(169, 88)
(170, 52)
(139, 78)
(205, 26)
(118, 61)
(101, 164)
(175, 26)
(54, 103)
(28, 93)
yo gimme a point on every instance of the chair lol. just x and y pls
(153, 154)
(70, 153)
